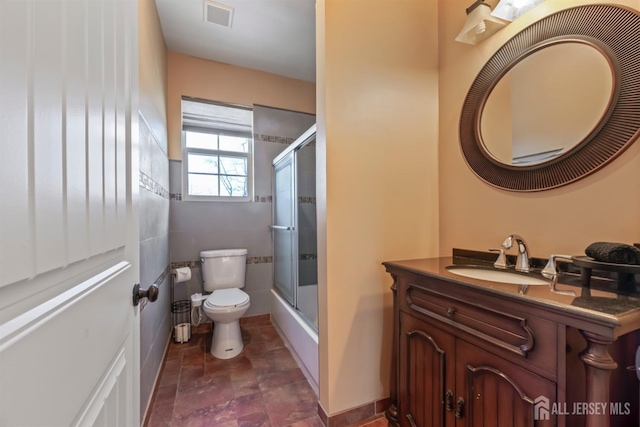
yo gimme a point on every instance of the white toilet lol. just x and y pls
(223, 274)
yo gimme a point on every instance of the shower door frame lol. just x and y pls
(307, 137)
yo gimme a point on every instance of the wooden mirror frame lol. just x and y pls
(613, 30)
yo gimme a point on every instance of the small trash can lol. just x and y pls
(181, 320)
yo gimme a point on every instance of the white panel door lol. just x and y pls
(68, 213)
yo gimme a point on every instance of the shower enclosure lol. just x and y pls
(294, 227)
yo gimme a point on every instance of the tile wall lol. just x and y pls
(199, 225)
(155, 318)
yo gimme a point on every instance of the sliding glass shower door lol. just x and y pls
(295, 227)
(307, 231)
(283, 227)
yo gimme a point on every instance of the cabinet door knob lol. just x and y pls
(450, 312)
(460, 408)
(448, 401)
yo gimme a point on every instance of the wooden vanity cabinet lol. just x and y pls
(445, 381)
(467, 356)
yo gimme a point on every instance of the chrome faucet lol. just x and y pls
(522, 262)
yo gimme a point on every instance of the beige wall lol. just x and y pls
(377, 136)
(199, 78)
(603, 206)
(152, 70)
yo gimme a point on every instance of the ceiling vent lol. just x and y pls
(217, 13)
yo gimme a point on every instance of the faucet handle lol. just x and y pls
(508, 242)
(501, 262)
(549, 271)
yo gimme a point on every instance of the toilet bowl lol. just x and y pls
(225, 307)
(223, 273)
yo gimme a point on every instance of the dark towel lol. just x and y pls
(616, 253)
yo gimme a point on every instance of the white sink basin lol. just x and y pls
(496, 276)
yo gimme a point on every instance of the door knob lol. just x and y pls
(151, 293)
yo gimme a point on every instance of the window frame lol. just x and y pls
(191, 150)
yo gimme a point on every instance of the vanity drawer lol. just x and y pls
(531, 338)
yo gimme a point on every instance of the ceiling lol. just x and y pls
(276, 36)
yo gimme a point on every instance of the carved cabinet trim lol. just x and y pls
(499, 328)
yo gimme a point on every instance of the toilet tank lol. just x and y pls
(223, 268)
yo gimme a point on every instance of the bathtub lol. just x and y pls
(300, 338)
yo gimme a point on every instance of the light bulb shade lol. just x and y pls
(511, 9)
(479, 24)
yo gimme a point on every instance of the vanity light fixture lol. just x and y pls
(479, 24)
(511, 9)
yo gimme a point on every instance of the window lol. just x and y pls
(217, 151)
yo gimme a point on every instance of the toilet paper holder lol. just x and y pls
(181, 274)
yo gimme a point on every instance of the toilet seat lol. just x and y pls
(232, 297)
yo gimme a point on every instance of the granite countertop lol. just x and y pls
(600, 301)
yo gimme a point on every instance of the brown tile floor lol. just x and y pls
(261, 387)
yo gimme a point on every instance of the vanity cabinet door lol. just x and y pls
(427, 375)
(445, 381)
(497, 393)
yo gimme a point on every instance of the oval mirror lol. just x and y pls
(531, 116)
(578, 69)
